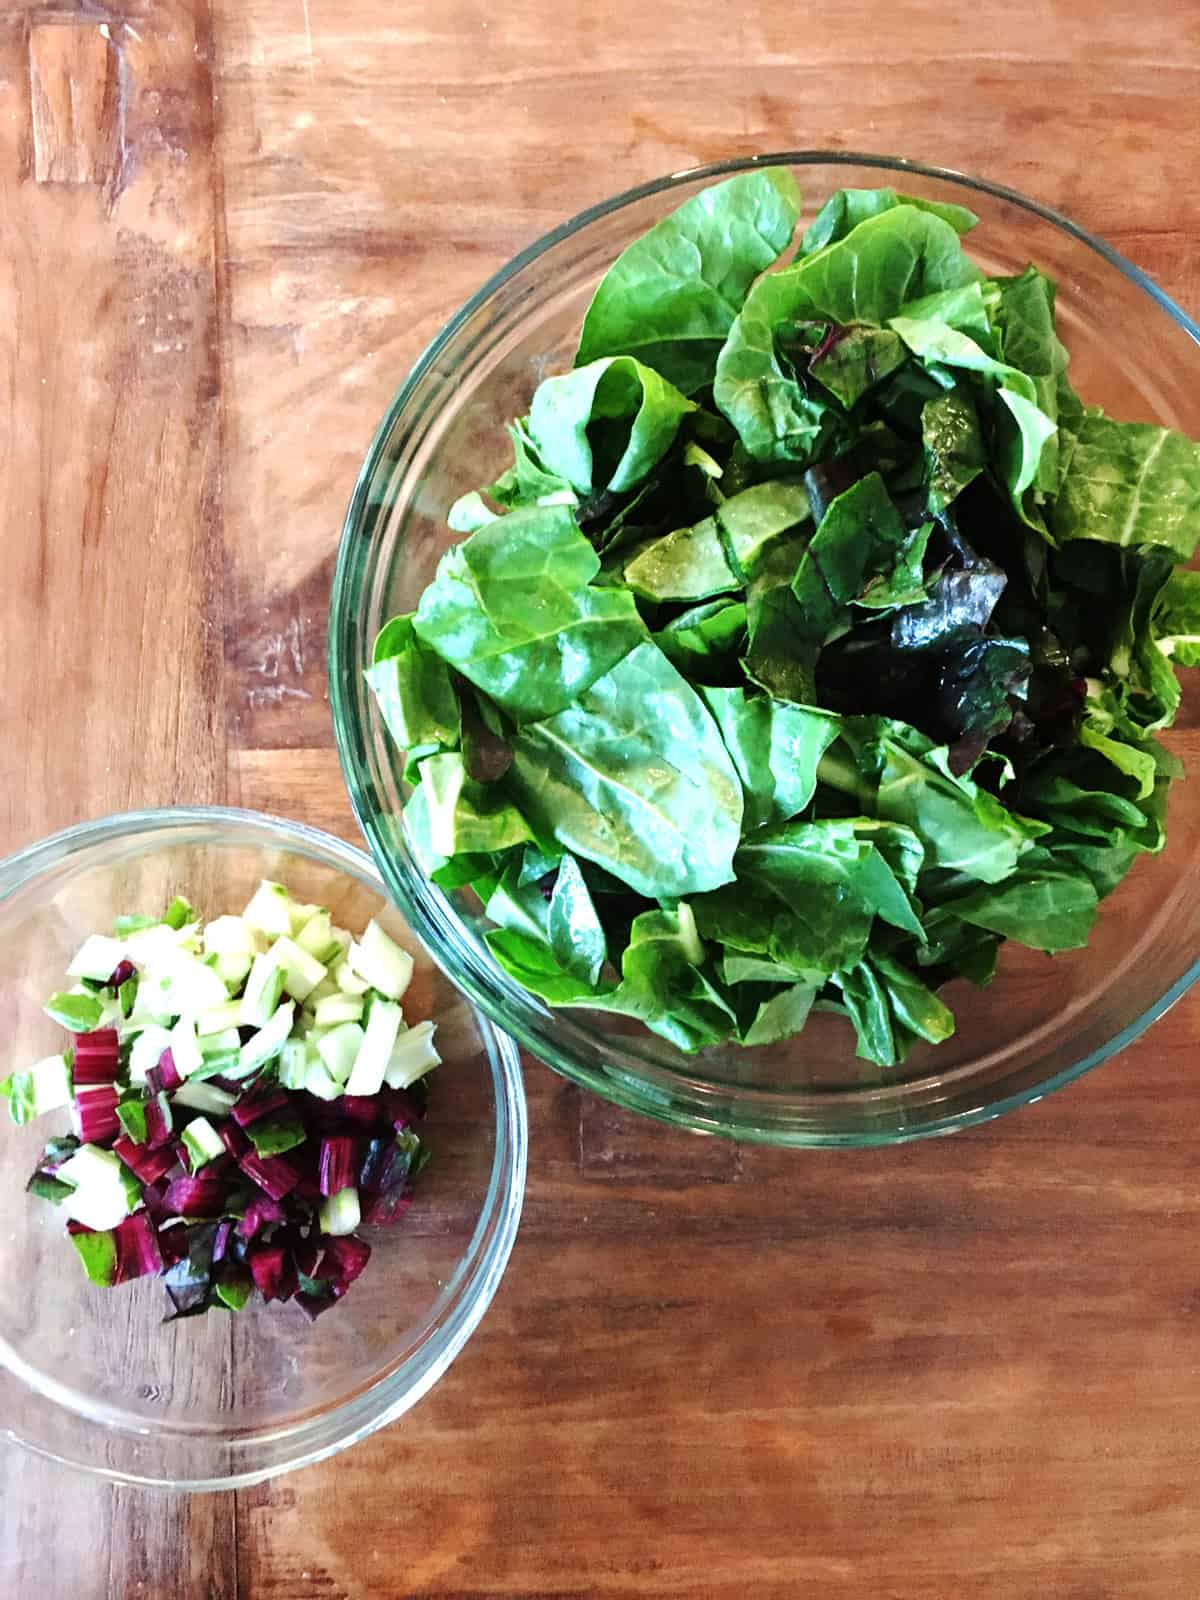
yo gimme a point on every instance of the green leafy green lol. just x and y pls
(816, 888)
(1046, 910)
(817, 640)
(964, 828)
(464, 817)
(775, 748)
(615, 407)
(685, 564)
(703, 633)
(672, 295)
(887, 260)
(843, 212)
(78, 1013)
(1176, 619)
(781, 1016)
(412, 688)
(938, 345)
(1129, 484)
(954, 448)
(781, 654)
(576, 933)
(857, 361)
(513, 610)
(858, 547)
(634, 777)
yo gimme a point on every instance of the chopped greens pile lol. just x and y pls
(814, 643)
(244, 1094)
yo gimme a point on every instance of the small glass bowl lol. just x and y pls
(1044, 1020)
(93, 1377)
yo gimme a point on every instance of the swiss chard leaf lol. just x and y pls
(685, 564)
(521, 907)
(779, 414)
(866, 277)
(865, 998)
(861, 552)
(528, 482)
(780, 1016)
(937, 345)
(671, 297)
(635, 778)
(856, 360)
(662, 984)
(913, 1004)
(962, 598)
(1025, 317)
(751, 521)
(1044, 909)
(614, 407)
(512, 609)
(466, 817)
(954, 449)
(703, 634)
(846, 208)
(1129, 484)
(775, 747)
(964, 828)
(782, 648)
(532, 963)
(817, 887)
(1176, 619)
(575, 931)
(413, 690)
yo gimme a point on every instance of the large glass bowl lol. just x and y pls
(1043, 1021)
(93, 1377)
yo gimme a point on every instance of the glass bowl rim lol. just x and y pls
(438, 929)
(329, 1430)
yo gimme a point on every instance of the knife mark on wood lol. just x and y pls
(76, 103)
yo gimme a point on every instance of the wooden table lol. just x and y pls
(959, 1369)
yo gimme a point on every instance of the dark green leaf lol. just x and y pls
(1129, 484)
(1047, 910)
(846, 208)
(954, 451)
(702, 633)
(865, 999)
(815, 891)
(1176, 619)
(575, 931)
(526, 483)
(645, 409)
(781, 1016)
(671, 296)
(858, 360)
(913, 1004)
(775, 747)
(963, 827)
(465, 816)
(635, 778)
(412, 688)
(512, 610)
(686, 564)
(781, 655)
(861, 549)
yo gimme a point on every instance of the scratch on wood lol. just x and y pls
(272, 693)
(308, 40)
(77, 102)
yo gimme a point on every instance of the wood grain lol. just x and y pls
(963, 1370)
(111, 650)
